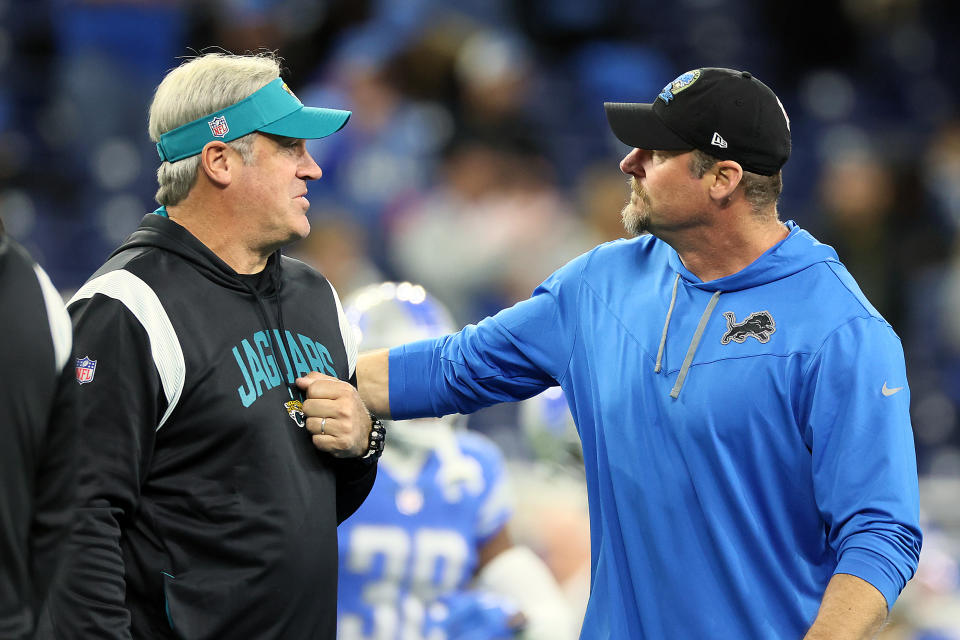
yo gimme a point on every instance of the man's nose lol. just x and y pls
(632, 163)
(309, 169)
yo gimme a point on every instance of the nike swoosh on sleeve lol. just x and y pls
(887, 391)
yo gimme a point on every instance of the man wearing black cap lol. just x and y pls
(743, 409)
(206, 509)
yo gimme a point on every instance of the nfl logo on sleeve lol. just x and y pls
(218, 126)
(85, 369)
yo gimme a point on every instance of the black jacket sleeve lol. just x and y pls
(55, 483)
(354, 481)
(117, 416)
(37, 461)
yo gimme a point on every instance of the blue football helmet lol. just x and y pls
(392, 313)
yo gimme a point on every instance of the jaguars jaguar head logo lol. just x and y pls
(295, 411)
(289, 90)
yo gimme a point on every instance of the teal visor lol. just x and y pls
(272, 109)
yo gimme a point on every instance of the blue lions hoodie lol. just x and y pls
(744, 438)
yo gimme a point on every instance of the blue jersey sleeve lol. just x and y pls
(857, 425)
(512, 356)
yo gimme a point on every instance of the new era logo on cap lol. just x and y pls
(718, 141)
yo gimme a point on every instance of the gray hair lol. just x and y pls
(760, 192)
(197, 88)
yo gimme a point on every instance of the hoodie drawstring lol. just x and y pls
(264, 319)
(685, 367)
(666, 325)
(694, 343)
(277, 286)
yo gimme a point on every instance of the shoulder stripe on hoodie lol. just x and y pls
(60, 330)
(144, 304)
(346, 331)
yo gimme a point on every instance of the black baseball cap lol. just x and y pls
(727, 113)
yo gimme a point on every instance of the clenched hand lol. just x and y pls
(335, 415)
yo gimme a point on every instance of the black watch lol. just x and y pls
(378, 437)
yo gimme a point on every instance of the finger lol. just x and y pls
(305, 381)
(317, 425)
(325, 407)
(323, 442)
(328, 387)
(331, 445)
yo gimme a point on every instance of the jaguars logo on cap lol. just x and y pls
(682, 82)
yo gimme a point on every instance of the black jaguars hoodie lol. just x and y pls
(206, 511)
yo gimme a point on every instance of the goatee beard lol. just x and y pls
(636, 213)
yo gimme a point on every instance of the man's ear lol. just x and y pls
(727, 175)
(217, 161)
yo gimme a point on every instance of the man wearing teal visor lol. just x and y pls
(208, 508)
(272, 109)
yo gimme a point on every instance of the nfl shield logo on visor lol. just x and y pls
(86, 368)
(218, 126)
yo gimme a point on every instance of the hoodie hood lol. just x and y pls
(794, 253)
(157, 230)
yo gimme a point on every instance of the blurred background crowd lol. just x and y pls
(478, 159)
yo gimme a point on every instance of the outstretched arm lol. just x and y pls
(852, 609)
(511, 356)
(373, 380)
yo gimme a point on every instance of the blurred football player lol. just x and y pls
(551, 495)
(428, 556)
(549, 428)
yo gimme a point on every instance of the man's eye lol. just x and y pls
(287, 143)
